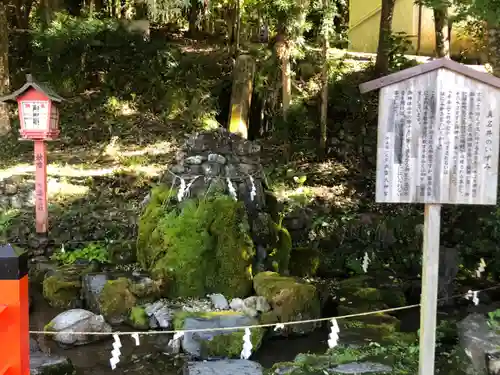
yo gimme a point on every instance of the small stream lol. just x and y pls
(93, 358)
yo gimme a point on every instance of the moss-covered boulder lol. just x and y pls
(375, 293)
(210, 344)
(117, 300)
(290, 299)
(62, 287)
(200, 246)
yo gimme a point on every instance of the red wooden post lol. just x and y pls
(14, 314)
(42, 212)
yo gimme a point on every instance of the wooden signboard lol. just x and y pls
(438, 135)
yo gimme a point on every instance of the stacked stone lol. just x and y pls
(15, 194)
(220, 161)
(223, 162)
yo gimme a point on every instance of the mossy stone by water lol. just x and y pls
(62, 288)
(290, 299)
(117, 300)
(199, 246)
(221, 344)
(61, 293)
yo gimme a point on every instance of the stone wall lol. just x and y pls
(16, 194)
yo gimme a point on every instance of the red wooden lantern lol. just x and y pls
(38, 112)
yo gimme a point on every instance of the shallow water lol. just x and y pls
(93, 358)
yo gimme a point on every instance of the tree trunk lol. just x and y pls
(384, 42)
(4, 69)
(494, 48)
(324, 92)
(237, 29)
(441, 28)
(193, 17)
(283, 53)
(241, 95)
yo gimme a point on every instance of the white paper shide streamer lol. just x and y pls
(366, 262)
(333, 337)
(473, 295)
(279, 327)
(481, 268)
(253, 191)
(182, 189)
(115, 353)
(231, 188)
(246, 352)
(135, 336)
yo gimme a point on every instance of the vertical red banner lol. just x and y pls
(41, 209)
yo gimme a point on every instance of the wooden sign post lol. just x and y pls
(39, 120)
(438, 134)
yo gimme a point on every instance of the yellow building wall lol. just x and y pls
(364, 22)
(364, 27)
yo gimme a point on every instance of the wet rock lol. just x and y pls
(216, 344)
(223, 367)
(479, 342)
(361, 368)
(236, 304)
(219, 301)
(77, 320)
(34, 347)
(160, 314)
(42, 364)
(254, 305)
(92, 286)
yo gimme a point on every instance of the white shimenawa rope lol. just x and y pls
(247, 346)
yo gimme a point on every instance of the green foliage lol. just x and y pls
(92, 252)
(6, 218)
(89, 62)
(494, 319)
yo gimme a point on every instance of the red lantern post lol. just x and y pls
(39, 119)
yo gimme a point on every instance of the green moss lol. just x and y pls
(234, 249)
(61, 292)
(116, 299)
(290, 299)
(230, 345)
(360, 292)
(202, 248)
(279, 256)
(154, 211)
(138, 318)
(304, 262)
